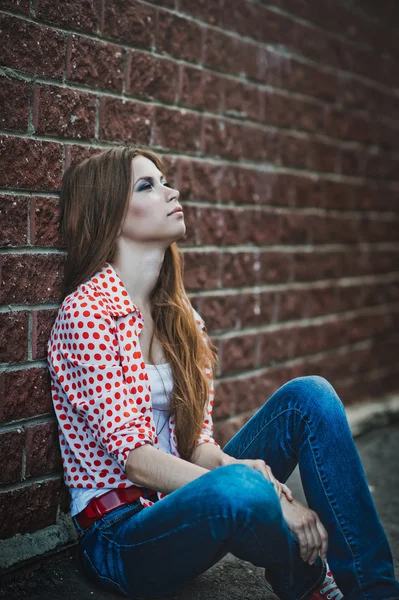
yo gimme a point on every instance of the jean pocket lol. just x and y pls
(122, 512)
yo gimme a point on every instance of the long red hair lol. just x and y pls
(94, 200)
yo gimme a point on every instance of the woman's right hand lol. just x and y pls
(308, 529)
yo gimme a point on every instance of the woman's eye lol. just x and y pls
(146, 186)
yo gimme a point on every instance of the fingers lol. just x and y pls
(324, 539)
(287, 492)
(277, 485)
(317, 543)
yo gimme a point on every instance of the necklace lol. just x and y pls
(162, 410)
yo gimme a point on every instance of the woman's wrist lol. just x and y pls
(227, 460)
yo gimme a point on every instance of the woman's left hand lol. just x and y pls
(259, 465)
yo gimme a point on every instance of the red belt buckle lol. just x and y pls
(92, 510)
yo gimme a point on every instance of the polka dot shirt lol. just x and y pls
(99, 385)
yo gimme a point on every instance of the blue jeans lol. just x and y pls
(155, 551)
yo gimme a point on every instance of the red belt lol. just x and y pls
(102, 505)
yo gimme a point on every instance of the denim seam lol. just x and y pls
(320, 479)
(108, 578)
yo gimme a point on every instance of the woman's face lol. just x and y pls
(148, 217)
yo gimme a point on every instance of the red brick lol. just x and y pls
(262, 64)
(386, 136)
(382, 166)
(11, 445)
(260, 227)
(320, 265)
(201, 270)
(349, 127)
(225, 430)
(315, 44)
(243, 100)
(353, 161)
(220, 312)
(289, 111)
(345, 196)
(221, 52)
(354, 94)
(295, 228)
(307, 303)
(222, 138)
(308, 154)
(179, 37)
(28, 163)
(95, 64)
(210, 12)
(31, 279)
(76, 154)
(151, 77)
(301, 191)
(260, 145)
(201, 89)
(220, 227)
(129, 21)
(239, 269)
(275, 267)
(65, 498)
(198, 180)
(310, 266)
(334, 229)
(41, 53)
(243, 185)
(224, 399)
(373, 196)
(42, 449)
(74, 14)
(14, 102)
(13, 336)
(258, 22)
(302, 78)
(257, 309)
(166, 3)
(44, 222)
(367, 386)
(177, 129)
(61, 112)
(14, 220)
(125, 121)
(359, 296)
(238, 354)
(29, 508)
(276, 346)
(43, 321)
(25, 393)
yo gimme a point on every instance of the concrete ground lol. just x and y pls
(231, 578)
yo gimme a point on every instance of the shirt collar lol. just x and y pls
(110, 286)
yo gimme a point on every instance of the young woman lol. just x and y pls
(154, 498)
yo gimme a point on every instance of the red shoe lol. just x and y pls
(327, 589)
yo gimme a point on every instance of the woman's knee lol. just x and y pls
(243, 488)
(317, 393)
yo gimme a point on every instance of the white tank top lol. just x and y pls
(161, 382)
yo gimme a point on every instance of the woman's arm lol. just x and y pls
(155, 469)
(211, 456)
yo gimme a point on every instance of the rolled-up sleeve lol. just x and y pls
(98, 400)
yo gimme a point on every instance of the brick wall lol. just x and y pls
(280, 124)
